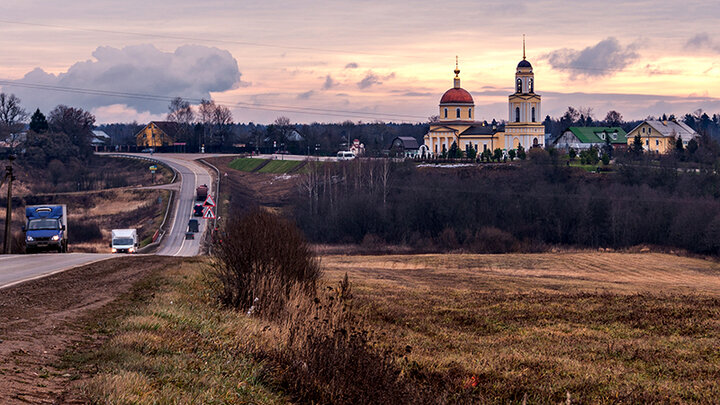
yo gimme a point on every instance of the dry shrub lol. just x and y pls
(83, 230)
(262, 257)
(491, 240)
(320, 350)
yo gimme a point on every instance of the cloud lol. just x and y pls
(306, 95)
(122, 113)
(702, 40)
(191, 71)
(329, 83)
(371, 79)
(417, 94)
(602, 59)
(351, 65)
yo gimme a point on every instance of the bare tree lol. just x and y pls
(181, 112)
(12, 116)
(613, 118)
(310, 183)
(384, 178)
(76, 123)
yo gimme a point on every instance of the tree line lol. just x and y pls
(503, 208)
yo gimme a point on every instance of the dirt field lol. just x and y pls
(600, 327)
(42, 319)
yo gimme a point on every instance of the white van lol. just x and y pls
(345, 155)
(124, 241)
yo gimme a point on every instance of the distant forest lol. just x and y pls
(326, 139)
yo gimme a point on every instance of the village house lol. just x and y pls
(660, 136)
(583, 138)
(157, 134)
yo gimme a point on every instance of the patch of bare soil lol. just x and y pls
(41, 319)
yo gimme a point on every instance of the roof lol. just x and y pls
(480, 130)
(524, 63)
(100, 134)
(672, 128)
(457, 95)
(170, 128)
(596, 134)
(408, 142)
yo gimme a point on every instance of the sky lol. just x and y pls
(359, 60)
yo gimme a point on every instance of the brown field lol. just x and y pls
(603, 327)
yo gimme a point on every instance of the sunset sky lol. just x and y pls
(366, 60)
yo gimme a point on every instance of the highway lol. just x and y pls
(15, 269)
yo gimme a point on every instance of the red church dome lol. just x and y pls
(456, 95)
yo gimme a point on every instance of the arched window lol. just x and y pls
(531, 85)
(446, 113)
(517, 114)
(519, 85)
(470, 113)
(457, 113)
(533, 114)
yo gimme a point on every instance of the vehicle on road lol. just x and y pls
(345, 155)
(193, 226)
(198, 210)
(46, 228)
(147, 150)
(202, 192)
(124, 241)
(189, 235)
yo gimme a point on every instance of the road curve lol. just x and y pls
(15, 269)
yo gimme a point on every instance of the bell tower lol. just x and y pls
(524, 124)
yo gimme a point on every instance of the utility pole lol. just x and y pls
(8, 213)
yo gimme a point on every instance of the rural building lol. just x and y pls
(660, 136)
(405, 146)
(457, 123)
(583, 138)
(157, 134)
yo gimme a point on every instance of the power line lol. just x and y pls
(185, 38)
(249, 106)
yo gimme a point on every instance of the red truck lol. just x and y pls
(202, 192)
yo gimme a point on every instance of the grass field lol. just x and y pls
(603, 327)
(280, 166)
(597, 327)
(245, 164)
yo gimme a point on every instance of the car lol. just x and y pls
(345, 155)
(198, 210)
(189, 235)
(148, 150)
(193, 225)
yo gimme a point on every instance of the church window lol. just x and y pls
(457, 113)
(446, 113)
(519, 85)
(643, 130)
(517, 114)
(469, 112)
(647, 142)
(657, 142)
(533, 114)
(531, 85)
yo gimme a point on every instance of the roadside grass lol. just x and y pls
(170, 345)
(599, 327)
(280, 166)
(245, 164)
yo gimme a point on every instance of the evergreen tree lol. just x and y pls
(572, 154)
(454, 152)
(444, 153)
(38, 122)
(471, 152)
(521, 152)
(497, 154)
(637, 146)
(511, 153)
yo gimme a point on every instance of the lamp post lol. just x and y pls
(8, 213)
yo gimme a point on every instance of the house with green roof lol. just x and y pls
(582, 138)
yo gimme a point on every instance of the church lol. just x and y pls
(456, 122)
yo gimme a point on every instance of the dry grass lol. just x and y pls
(605, 327)
(177, 348)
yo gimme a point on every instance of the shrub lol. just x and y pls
(83, 231)
(261, 259)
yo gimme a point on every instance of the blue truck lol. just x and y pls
(46, 228)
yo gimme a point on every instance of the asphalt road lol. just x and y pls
(15, 269)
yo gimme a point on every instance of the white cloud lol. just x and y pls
(122, 113)
(602, 59)
(139, 71)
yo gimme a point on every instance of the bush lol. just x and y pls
(83, 231)
(261, 259)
